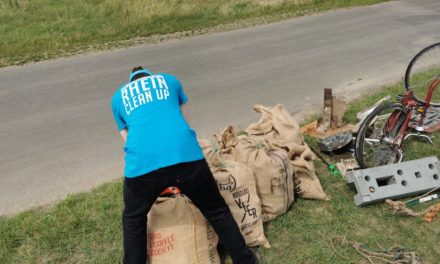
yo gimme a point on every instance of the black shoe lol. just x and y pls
(256, 254)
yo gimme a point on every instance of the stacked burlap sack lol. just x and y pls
(258, 174)
(275, 151)
(237, 185)
(278, 127)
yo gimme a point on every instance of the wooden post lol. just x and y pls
(326, 121)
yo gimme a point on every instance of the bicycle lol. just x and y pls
(382, 133)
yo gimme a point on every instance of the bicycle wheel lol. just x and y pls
(421, 71)
(374, 145)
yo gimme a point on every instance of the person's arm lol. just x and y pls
(120, 122)
(185, 111)
(124, 134)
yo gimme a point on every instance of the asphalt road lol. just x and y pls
(57, 135)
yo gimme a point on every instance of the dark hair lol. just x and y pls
(139, 75)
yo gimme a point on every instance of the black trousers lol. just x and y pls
(196, 181)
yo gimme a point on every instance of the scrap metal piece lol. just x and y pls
(395, 181)
(419, 135)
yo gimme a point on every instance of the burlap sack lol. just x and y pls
(178, 233)
(273, 175)
(219, 147)
(275, 123)
(307, 184)
(237, 186)
(278, 127)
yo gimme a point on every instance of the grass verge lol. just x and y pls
(86, 227)
(34, 30)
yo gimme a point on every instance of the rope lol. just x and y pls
(393, 255)
(400, 208)
(343, 240)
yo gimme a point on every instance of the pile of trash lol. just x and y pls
(371, 151)
(370, 155)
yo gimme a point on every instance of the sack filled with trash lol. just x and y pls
(178, 232)
(237, 186)
(277, 126)
(273, 174)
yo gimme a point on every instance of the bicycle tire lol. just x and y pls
(421, 70)
(371, 148)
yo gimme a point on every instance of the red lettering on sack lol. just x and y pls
(154, 236)
(159, 245)
(160, 251)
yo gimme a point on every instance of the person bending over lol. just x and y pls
(162, 150)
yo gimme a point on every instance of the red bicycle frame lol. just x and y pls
(410, 104)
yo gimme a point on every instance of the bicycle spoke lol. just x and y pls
(421, 71)
(379, 154)
(375, 142)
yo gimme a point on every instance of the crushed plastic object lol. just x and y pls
(336, 142)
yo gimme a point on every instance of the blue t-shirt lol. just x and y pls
(158, 134)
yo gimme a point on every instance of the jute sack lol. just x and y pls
(220, 146)
(278, 127)
(275, 123)
(307, 184)
(178, 233)
(237, 186)
(273, 175)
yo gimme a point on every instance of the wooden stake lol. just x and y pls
(325, 123)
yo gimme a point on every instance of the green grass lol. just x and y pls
(304, 235)
(83, 228)
(421, 77)
(33, 30)
(86, 227)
